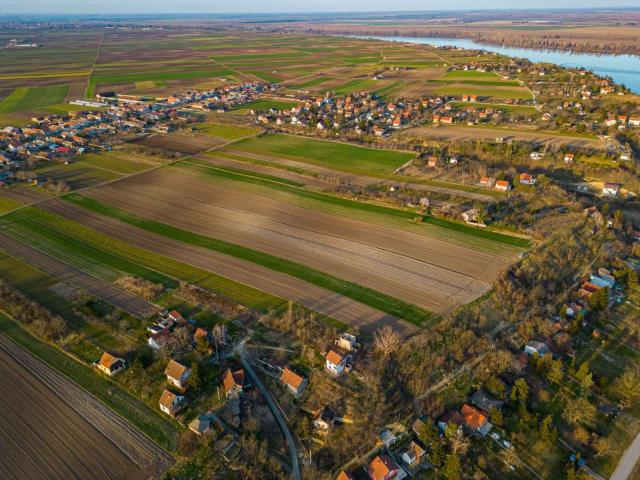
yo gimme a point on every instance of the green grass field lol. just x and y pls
(65, 108)
(342, 156)
(159, 429)
(357, 292)
(228, 132)
(357, 85)
(32, 98)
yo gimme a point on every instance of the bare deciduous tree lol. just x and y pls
(386, 341)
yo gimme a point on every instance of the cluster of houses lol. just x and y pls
(359, 113)
(62, 137)
(404, 455)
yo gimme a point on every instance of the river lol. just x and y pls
(624, 69)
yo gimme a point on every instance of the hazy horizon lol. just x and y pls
(159, 7)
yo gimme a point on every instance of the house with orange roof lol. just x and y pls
(503, 185)
(383, 467)
(170, 403)
(344, 475)
(527, 179)
(487, 181)
(335, 363)
(200, 333)
(177, 374)
(233, 383)
(110, 364)
(293, 382)
(474, 419)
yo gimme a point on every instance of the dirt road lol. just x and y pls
(72, 276)
(52, 429)
(323, 301)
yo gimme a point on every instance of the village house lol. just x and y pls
(527, 179)
(413, 455)
(536, 348)
(177, 374)
(200, 425)
(432, 162)
(487, 181)
(170, 403)
(324, 420)
(110, 364)
(344, 475)
(470, 216)
(485, 402)
(611, 189)
(293, 382)
(233, 383)
(450, 417)
(160, 339)
(383, 467)
(335, 363)
(569, 157)
(348, 342)
(474, 420)
(503, 185)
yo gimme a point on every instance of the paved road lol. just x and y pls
(295, 466)
(628, 461)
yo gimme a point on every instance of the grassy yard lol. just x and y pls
(32, 98)
(161, 430)
(341, 156)
(357, 292)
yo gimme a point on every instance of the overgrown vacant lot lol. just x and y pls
(427, 271)
(342, 156)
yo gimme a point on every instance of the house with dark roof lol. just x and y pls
(485, 402)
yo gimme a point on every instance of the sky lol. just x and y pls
(282, 6)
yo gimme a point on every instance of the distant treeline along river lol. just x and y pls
(624, 69)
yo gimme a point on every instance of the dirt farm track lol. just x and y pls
(52, 429)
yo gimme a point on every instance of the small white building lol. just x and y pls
(335, 363)
(611, 189)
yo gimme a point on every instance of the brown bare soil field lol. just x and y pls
(335, 176)
(425, 271)
(175, 142)
(323, 301)
(68, 274)
(23, 194)
(52, 429)
(487, 133)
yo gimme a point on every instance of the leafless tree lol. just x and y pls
(386, 341)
